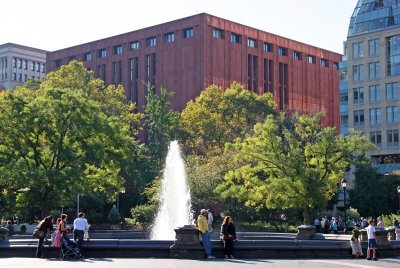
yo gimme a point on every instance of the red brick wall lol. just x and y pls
(187, 66)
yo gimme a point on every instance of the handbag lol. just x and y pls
(37, 234)
(226, 237)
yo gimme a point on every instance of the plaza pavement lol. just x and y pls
(217, 263)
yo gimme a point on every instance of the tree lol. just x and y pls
(291, 162)
(216, 117)
(374, 194)
(160, 121)
(70, 135)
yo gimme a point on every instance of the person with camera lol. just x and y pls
(228, 235)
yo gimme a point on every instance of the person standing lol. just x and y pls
(356, 250)
(202, 226)
(371, 241)
(317, 224)
(80, 227)
(228, 235)
(44, 226)
(380, 223)
(210, 219)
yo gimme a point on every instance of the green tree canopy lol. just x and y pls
(70, 135)
(216, 117)
(291, 162)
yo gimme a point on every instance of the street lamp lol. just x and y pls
(344, 185)
(398, 191)
(121, 192)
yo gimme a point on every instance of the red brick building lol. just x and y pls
(189, 54)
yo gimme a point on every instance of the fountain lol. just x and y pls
(175, 203)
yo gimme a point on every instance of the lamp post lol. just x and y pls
(344, 185)
(121, 192)
(398, 191)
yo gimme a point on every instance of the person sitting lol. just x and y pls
(10, 228)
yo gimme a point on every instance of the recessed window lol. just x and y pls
(267, 47)
(358, 50)
(374, 70)
(392, 114)
(152, 41)
(392, 91)
(188, 33)
(296, 55)
(70, 58)
(87, 56)
(358, 95)
(374, 93)
(375, 116)
(43, 68)
(58, 64)
(324, 63)
(335, 66)
(358, 72)
(376, 138)
(33, 65)
(14, 62)
(118, 49)
(169, 37)
(102, 53)
(235, 38)
(373, 47)
(218, 33)
(283, 51)
(311, 59)
(358, 118)
(251, 42)
(393, 138)
(135, 45)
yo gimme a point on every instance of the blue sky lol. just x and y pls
(56, 24)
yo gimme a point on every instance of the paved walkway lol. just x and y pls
(218, 263)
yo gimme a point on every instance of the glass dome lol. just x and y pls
(372, 15)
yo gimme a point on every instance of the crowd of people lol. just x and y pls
(354, 226)
(337, 224)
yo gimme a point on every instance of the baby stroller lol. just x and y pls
(69, 249)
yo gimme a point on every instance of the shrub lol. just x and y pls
(113, 216)
(144, 214)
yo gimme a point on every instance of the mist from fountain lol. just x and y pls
(175, 205)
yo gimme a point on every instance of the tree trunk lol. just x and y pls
(307, 216)
(44, 203)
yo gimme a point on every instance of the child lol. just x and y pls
(355, 242)
(371, 241)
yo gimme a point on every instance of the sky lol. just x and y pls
(56, 24)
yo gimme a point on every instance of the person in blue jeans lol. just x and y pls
(202, 226)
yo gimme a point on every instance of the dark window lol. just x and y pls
(392, 91)
(135, 45)
(152, 41)
(235, 38)
(324, 63)
(218, 33)
(375, 116)
(310, 59)
(358, 118)
(358, 95)
(283, 51)
(267, 47)
(358, 72)
(374, 93)
(251, 42)
(58, 64)
(169, 37)
(296, 55)
(252, 73)
(102, 53)
(376, 138)
(268, 76)
(188, 33)
(393, 138)
(87, 56)
(118, 49)
(283, 74)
